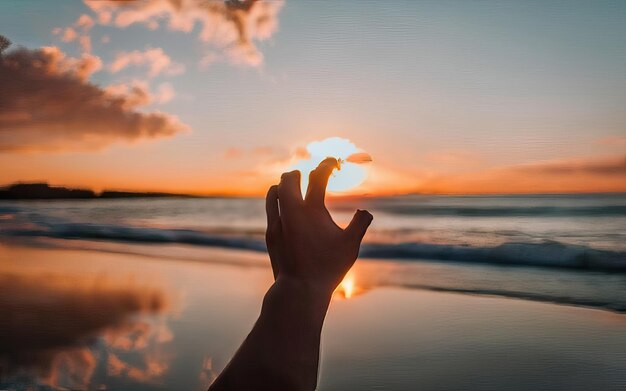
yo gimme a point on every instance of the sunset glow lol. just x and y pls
(220, 101)
(392, 184)
(349, 175)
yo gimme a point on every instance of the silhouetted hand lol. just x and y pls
(303, 241)
(310, 255)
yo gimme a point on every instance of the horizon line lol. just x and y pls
(329, 195)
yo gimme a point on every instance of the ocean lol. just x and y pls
(562, 248)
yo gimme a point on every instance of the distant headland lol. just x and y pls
(43, 191)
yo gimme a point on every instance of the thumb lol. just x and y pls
(359, 224)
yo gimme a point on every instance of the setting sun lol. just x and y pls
(351, 172)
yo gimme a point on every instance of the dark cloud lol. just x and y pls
(47, 103)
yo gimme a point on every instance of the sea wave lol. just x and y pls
(547, 254)
(543, 254)
(417, 209)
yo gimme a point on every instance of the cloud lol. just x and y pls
(78, 32)
(602, 166)
(234, 27)
(154, 59)
(598, 174)
(47, 103)
(137, 93)
(165, 93)
(85, 22)
(68, 34)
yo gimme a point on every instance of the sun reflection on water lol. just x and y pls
(347, 287)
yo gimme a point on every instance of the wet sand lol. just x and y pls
(145, 323)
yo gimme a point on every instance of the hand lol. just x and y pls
(303, 241)
(310, 255)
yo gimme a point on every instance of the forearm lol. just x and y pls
(282, 350)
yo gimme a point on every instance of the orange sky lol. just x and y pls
(469, 99)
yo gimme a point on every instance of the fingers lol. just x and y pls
(271, 207)
(359, 224)
(318, 180)
(273, 234)
(289, 191)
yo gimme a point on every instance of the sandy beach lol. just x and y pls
(122, 320)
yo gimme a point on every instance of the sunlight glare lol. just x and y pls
(346, 287)
(352, 172)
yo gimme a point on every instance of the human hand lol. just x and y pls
(304, 243)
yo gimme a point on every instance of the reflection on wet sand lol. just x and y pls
(350, 286)
(207, 374)
(60, 331)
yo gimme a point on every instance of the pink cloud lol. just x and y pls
(233, 27)
(85, 22)
(69, 34)
(137, 93)
(79, 32)
(154, 59)
(164, 93)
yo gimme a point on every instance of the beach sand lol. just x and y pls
(87, 319)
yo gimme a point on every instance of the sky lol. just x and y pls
(207, 97)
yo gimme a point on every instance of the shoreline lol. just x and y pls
(373, 274)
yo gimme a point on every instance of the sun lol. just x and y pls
(352, 172)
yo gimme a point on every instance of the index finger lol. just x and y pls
(318, 180)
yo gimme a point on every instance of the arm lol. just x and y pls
(310, 255)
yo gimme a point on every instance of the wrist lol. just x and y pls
(304, 289)
(291, 293)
